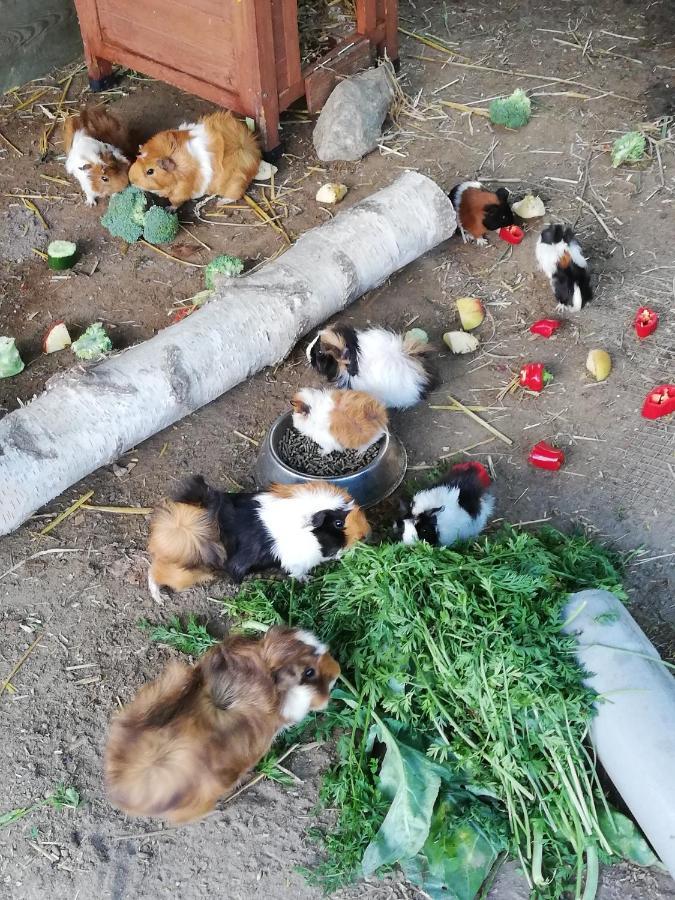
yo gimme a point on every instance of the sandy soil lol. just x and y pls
(619, 481)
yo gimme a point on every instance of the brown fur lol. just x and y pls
(564, 260)
(472, 210)
(190, 736)
(175, 172)
(356, 526)
(184, 544)
(101, 124)
(357, 419)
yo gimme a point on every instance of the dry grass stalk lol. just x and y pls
(6, 683)
(486, 425)
(66, 512)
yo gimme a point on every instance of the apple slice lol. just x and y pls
(57, 338)
(460, 341)
(471, 312)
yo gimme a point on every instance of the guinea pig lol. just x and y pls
(560, 258)
(191, 736)
(339, 420)
(479, 211)
(98, 149)
(456, 509)
(217, 155)
(376, 361)
(295, 527)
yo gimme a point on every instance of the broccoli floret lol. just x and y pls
(93, 344)
(513, 111)
(628, 148)
(160, 226)
(124, 216)
(228, 266)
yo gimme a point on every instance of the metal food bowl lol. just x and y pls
(367, 486)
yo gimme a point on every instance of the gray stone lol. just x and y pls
(350, 124)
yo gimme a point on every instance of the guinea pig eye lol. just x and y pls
(339, 523)
(104, 178)
(149, 171)
(309, 673)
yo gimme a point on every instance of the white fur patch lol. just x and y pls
(409, 535)
(288, 521)
(548, 256)
(387, 371)
(576, 298)
(311, 640)
(298, 703)
(87, 151)
(308, 351)
(453, 522)
(576, 254)
(316, 424)
(198, 146)
(460, 190)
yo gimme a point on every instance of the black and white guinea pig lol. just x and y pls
(376, 360)
(479, 210)
(456, 509)
(295, 527)
(560, 258)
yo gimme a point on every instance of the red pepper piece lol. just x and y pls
(512, 234)
(545, 327)
(534, 377)
(645, 322)
(659, 402)
(544, 456)
(478, 469)
(181, 314)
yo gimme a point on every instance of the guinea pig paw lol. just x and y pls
(223, 201)
(90, 201)
(481, 242)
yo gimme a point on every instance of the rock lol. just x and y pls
(350, 124)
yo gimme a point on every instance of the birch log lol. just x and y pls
(88, 417)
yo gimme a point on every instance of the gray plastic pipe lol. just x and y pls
(634, 730)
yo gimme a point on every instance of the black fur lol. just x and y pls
(328, 528)
(325, 362)
(470, 496)
(470, 490)
(498, 215)
(425, 525)
(566, 278)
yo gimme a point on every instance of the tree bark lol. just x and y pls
(88, 417)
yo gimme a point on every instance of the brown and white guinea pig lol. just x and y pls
(98, 152)
(339, 420)
(377, 361)
(201, 531)
(560, 258)
(217, 155)
(456, 509)
(190, 736)
(479, 211)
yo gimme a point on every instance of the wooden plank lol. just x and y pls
(353, 55)
(36, 36)
(256, 67)
(366, 18)
(390, 30)
(289, 67)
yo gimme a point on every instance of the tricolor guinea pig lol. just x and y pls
(201, 531)
(190, 736)
(217, 155)
(560, 258)
(384, 364)
(479, 211)
(98, 152)
(339, 420)
(456, 509)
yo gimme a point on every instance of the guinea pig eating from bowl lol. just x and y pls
(190, 736)
(377, 361)
(479, 211)
(295, 527)
(339, 420)
(456, 509)
(217, 155)
(98, 152)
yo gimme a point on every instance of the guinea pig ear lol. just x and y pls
(167, 164)
(85, 167)
(300, 407)
(319, 518)
(503, 194)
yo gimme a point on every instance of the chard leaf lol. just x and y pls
(625, 838)
(412, 782)
(628, 148)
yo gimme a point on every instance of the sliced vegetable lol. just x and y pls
(534, 377)
(646, 322)
(530, 207)
(460, 341)
(659, 402)
(544, 456)
(10, 361)
(265, 171)
(61, 255)
(93, 344)
(471, 312)
(331, 193)
(545, 327)
(628, 148)
(599, 364)
(512, 234)
(57, 338)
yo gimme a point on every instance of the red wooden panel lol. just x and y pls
(354, 55)
(365, 16)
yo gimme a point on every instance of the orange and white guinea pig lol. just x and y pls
(217, 155)
(99, 149)
(339, 420)
(190, 736)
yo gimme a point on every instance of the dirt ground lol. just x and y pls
(619, 481)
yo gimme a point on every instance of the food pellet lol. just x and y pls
(304, 455)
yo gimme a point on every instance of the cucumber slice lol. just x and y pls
(61, 255)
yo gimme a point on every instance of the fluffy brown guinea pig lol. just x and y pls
(217, 155)
(190, 736)
(99, 148)
(339, 420)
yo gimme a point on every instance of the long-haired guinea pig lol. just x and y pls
(99, 149)
(189, 737)
(456, 509)
(296, 527)
(479, 211)
(376, 361)
(217, 155)
(560, 258)
(339, 420)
